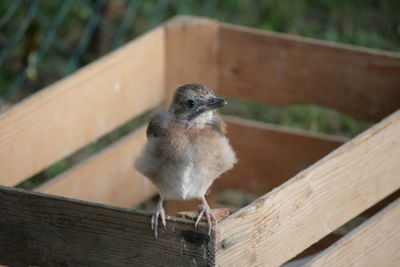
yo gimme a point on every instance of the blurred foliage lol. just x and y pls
(42, 41)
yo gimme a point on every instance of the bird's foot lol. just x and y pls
(205, 210)
(159, 212)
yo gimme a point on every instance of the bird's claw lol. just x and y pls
(159, 212)
(205, 210)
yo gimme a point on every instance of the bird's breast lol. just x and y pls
(188, 160)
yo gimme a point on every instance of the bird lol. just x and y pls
(186, 150)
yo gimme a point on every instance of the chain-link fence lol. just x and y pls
(42, 41)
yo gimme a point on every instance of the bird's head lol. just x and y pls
(194, 101)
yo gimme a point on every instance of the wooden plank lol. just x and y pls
(374, 243)
(43, 230)
(282, 223)
(79, 109)
(269, 154)
(191, 52)
(107, 177)
(282, 69)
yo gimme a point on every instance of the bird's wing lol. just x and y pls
(155, 128)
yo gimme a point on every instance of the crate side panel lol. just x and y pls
(40, 230)
(82, 107)
(282, 69)
(281, 224)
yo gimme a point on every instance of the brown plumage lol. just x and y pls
(186, 149)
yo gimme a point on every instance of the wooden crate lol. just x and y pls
(309, 184)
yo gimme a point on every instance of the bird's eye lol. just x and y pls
(190, 103)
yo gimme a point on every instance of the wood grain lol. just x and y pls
(42, 230)
(107, 177)
(374, 243)
(282, 69)
(82, 107)
(269, 155)
(191, 52)
(281, 224)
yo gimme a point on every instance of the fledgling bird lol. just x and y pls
(186, 150)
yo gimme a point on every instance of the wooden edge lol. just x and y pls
(321, 245)
(269, 155)
(191, 53)
(284, 222)
(308, 40)
(43, 230)
(374, 243)
(381, 204)
(189, 20)
(299, 262)
(282, 69)
(107, 177)
(79, 109)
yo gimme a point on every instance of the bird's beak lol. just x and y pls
(215, 103)
(211, 104)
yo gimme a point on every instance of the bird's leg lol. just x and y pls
(159, 212)
(205, 209)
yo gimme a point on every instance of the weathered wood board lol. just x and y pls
(42, 230)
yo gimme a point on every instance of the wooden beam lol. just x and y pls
(82, 107)
(43, 230)
(269, 155)
(282, 69)
(284, 222)
(374, 243)
(191, 52)
(107, 177)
